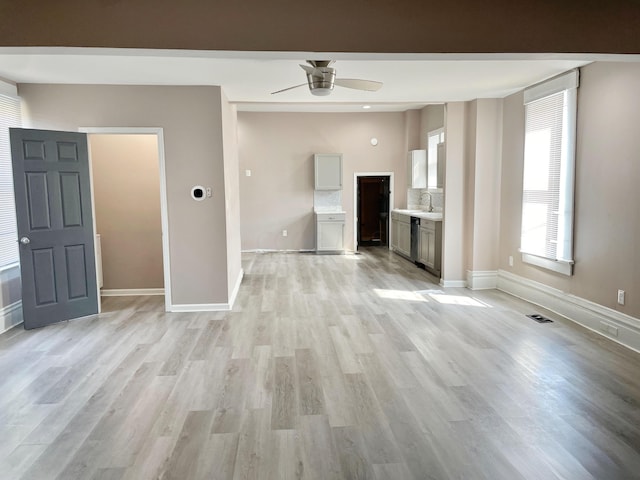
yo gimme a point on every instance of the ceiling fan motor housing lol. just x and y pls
(321, 80)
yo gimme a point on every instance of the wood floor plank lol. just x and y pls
(284, 406)
(187, 455)
(218, 461)
(352, 453)
(379, 440)
(392, 471)
(231, 401)
(319, 451)
(253, 441)
(346, 356)
(108, 474)
(310, 396)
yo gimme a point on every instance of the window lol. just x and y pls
(548, 179)
(434, 138)
(9, 117)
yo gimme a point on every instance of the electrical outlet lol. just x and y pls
(247, 173)
(284, 233)
(510, 261)
(621, 297)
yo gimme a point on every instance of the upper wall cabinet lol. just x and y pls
(328, 171)
(417, 169)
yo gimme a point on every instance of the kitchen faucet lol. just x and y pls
(430, 207)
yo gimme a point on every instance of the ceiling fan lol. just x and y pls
(321, 78)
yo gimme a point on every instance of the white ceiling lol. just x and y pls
(247, 78)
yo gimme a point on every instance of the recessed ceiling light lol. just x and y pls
(366, 107)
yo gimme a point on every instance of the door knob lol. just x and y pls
(25, 241)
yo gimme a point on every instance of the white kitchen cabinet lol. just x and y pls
(430, 245)
(394, 231)
(328, 171)
(401, 234)
(427, 244)
(330, 232)
(404, 238)
(417, 169)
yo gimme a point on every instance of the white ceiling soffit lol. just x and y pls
(410, 80)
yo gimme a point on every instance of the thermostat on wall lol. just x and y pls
(198, 193)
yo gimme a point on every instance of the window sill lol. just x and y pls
(9, 266)
(559, 266)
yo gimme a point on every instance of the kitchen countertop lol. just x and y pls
(328, 210)
(434, 216)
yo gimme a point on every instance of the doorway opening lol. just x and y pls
(373, 205)
(130, 212)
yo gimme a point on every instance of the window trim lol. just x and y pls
(568, 82)
(9, 236)
(559, 266)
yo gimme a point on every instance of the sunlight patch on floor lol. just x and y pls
(457, 300)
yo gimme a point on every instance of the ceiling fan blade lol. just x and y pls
(290, 88)
(368, 85)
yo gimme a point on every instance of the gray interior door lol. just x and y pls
(55, 225)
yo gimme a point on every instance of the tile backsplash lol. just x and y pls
(327, 200)
(419, 198)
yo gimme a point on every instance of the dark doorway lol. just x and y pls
(373, 210)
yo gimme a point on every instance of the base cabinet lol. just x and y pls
(330, 232)
(394, 232)
(401, 234)
(430, 246)
(404, 238)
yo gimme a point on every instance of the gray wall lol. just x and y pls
(192, 122)
(607, 224)
(278, 148)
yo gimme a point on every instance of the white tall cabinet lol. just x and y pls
(330, 219)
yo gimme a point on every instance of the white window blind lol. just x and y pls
(9, 117)
(548, 179)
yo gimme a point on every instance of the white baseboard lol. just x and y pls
(593, 316)
(453, 283)
(482, 279)
(10, 316)
(236, 288)
(201, 307)
(128, 292)
(275, 250)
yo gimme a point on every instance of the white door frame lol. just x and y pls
(164, 219)
(356, 175)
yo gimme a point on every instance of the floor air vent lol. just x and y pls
(539, 318)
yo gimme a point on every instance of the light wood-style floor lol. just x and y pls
(328, 367)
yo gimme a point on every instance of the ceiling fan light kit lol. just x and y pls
(321, 78)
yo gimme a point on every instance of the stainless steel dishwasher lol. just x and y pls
(415, 238)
